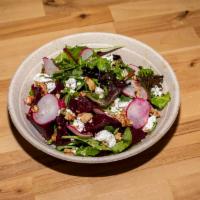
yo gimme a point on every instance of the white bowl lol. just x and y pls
(134, 52)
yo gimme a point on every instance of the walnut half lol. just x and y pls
(85, 117)
(90, 83)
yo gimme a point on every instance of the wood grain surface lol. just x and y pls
(170, 170)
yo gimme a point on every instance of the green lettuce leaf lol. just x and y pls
(91, 142)
(161, 101)
(87, 151)
(145, 72)
(61, 148)
(124, 143)
(61, 58)
(124, 98)
(148, 79)
(31, 92)
(109, 128)
(75, 51)
(118, 72)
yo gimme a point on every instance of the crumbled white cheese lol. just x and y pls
(108, 57)
(123, 104)
(100, 92)
(45, 78)
(50, 86)
(42, 78)
(78, 124)
(106, 136)
(151, 122)
(124, 73)
(71, 83)
(119, 105)
(156, 91)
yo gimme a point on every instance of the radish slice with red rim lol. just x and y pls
(142, 93)
(138, 112)
(129, 91)
(86, 53)
(76, 132)
(49, 66)
(135, 89)
(48, 109)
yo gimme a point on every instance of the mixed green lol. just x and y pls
(88, 102)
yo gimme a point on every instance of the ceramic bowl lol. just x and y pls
(134, 52)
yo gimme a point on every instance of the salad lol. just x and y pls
(88, 102)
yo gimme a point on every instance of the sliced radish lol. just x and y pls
(142, 93)
(138, 112)
(49, 66)
(48, 109)
(135, 90)
(130, 89)
(86, 53)
(134, 67)
(76, 132)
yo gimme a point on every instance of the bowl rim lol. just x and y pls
(93, 160)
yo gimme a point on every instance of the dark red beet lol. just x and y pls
(61, 130)
(59, 87)
(46, 130)
(81, 104)
(61, 103)
(98, 111)
(61, 121)
(78, 133)
(138, 135)
(99, 121)
(37, 93)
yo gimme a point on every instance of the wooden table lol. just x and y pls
(171, 168)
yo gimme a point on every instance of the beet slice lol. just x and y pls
(38, 93)
(81, 104)
(99, 121)
(138, 135)
(76, 132)
(61, 103)
(98, 111)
